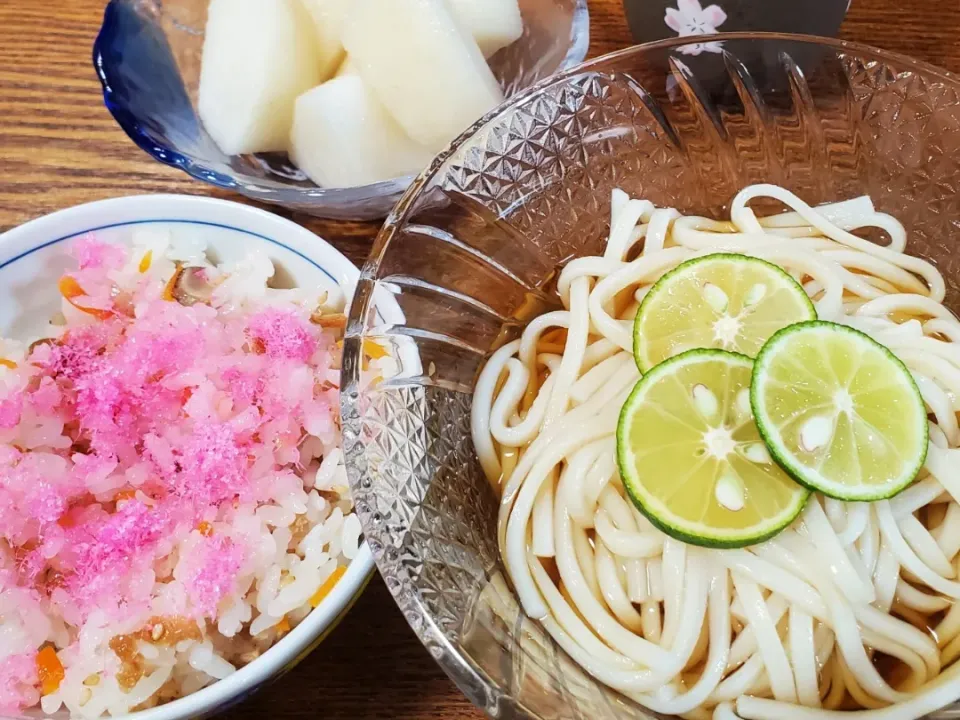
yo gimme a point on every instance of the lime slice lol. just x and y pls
(724, 301)
(692, 460)
(839, 411)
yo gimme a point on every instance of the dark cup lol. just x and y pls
(659, 19)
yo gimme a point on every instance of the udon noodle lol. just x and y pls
(850, 608)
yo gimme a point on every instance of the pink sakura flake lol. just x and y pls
(120, 394)
(91, 470)
(285, 335)
(10, 409)
(280, 395)
(18, 675)
(46, 398)
(101, 553)
(212, 574)
(45, 503)
(77, 351)
(13, 525)
(134, 527)
(243, 385)
(34, 493)
(29, 565)
(9, 455)
(159, 452)
(212, 464)
(91, 253)
(109, 412)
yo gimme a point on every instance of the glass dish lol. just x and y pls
(147, 56)
(473, 249)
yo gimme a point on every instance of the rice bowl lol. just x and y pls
(31, 260)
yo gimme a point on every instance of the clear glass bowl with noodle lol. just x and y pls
(473, 251)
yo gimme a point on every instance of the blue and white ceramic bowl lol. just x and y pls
(31, 262)
(147, 57)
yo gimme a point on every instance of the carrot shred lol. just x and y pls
(205, 528)
(71, 290)
(172, 284)
(8, 363)
(327, 586)
(146, 261)
(283, 626)
(49, 670)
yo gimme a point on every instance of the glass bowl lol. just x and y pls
(147, 56)
(472, 251)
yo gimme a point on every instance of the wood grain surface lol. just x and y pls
(60, 147)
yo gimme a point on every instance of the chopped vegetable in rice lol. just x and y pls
(172, 492)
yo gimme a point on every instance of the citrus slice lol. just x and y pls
(839, 411)
(692, 460)
(724, 301)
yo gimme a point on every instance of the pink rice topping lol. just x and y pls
(211, 574)
(18, 675)
(154, 419)
(285, 335)
(90, 252)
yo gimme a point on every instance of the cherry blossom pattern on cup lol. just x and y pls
(691, 18)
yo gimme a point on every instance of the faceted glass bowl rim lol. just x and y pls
(472, 681)
(401, 211)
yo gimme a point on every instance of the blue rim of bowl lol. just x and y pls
(171, 221)
(128, 122)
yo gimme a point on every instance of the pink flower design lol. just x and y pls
(690, 18)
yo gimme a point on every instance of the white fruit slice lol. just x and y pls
(342, 137)
(258, 56)
(426, 70)
(346, 67)
(494, 24)
(328, 17)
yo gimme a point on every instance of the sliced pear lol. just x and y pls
(343, 137)
(258, 57)
(494, 24)
(424, 67)
(346, 67)
(328, 17)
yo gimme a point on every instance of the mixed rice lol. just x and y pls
(172, 492)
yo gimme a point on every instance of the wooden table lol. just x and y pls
(59, 147)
